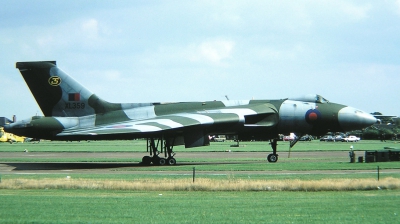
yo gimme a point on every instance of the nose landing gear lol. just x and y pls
(273, 158)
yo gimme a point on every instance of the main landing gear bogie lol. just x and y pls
(166, 146)
(158, 161)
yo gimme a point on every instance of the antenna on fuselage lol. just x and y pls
(226, 96)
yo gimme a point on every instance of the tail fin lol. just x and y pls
(58, 94)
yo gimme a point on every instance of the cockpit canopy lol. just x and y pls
(312, 98)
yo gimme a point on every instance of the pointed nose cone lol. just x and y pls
(353, 119)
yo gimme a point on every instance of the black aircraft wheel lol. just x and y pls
(146, 160)
(272, 158)
(155, 160)
(162, 162)
(171, 161)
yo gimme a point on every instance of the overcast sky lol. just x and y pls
(166, 51)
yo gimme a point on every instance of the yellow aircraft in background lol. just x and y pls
(11, 138)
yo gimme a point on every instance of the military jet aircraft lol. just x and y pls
(72, 112)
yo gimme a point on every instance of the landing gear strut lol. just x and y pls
(154, 158)
(273, 158)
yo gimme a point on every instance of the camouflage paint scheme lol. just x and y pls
(72, 112)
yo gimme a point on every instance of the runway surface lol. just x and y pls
(130, 167)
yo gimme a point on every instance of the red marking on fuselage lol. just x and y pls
(313, 116)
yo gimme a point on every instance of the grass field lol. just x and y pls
(264, 196)
(140, 146)
(83, 206)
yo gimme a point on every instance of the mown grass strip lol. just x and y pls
(107, 206)
(140, 146)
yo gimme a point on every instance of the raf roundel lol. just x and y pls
(312, 116)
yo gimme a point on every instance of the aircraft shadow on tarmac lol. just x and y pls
(78, 166)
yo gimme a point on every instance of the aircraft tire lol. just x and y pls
(146, 160)
(272, 158)
(171, 161)
(162, 162)
(155, 160)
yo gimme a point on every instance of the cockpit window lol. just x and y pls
(312, 98)
(320, 99)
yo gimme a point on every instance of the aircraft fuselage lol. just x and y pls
(246, 118)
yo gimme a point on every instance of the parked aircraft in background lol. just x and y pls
(72, 112)
(10, 138)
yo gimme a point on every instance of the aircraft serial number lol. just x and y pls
(75, 106)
